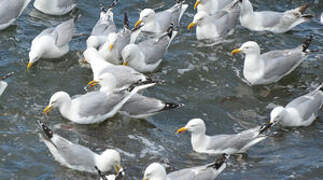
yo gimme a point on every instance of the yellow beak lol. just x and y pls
(125, 63)
(180, 130)
(48, 109)
(93, 83)
(110, 47)
(190, 26)
(29, 65)
(84, 61)
(196, 4)
(138, 23)
(117, 168)
(235, 51)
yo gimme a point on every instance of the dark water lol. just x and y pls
(205, 78)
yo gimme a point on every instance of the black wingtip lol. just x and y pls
(114, 3)
(6, 76)
(220, 161)
(169, 106)
(102, 8)
(102, 176)
(303, 8)
(139, 83)
(170, 30)
(48, 132)
(321, 89)
(126, 21)
(265, 127)
(307, 43)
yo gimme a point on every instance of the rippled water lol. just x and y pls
(205, 78)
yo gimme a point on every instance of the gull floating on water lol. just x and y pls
(10, 10)
(211, 6)
(92, 107)
(224, 143)
(138, 106)
(157, 23)
(54, 7)
(125, 76)
(78, 157)
(52, 42)
(277, 22)
(271, 66)
(301, 111)
(156, 171)
(111, 49)
(102, 28)
(147, 55)
(3, 84)
(215, 26)
(119, 176)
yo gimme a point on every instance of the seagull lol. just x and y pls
(156, 171)
(76, 156)
(52, 42)
(224, 143)
(301, 111)
(211, 6)
(157, 23)
(276, 22)
(10, 10)
(125, 76)
(119, 176)
(215, 26)
(147, 55)
(54, 7)
(271, 66)
(92, 107)
(322, 18)
(3, 84)
(111, 49)
(138, 106)
(102, 28)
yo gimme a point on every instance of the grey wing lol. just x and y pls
(154, 50)
(225, 21)
(280, 62)
(97, 103)
(164, 20)
(139, 104)
(10, 10)
(64, 33)
(46, 32)
(306, 105)
(74, 154)
(123, 39)
(269, 18)
(65, 3)
(103, 29)
(195, 173)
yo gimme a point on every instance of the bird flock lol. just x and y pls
(119, 59)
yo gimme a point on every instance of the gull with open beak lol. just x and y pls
(224, 143)
(301, 111)
(52, 42)
(78, 157)
(211, 6)
(156, 171)
(271, 66)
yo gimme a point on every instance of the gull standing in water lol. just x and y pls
(52, 42)
(156, 171)
(54, 7)
(211, 6)
(111, 49)
(147, 55)
(3, 84)
(10, 10)
(102, 28)
(276, 22)
(271, 66)
(301, 111)
(76, 156)
(92, 107)
(224, 143)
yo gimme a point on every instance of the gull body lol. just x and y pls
(224, 143)
(301, 111)
(10, 11)
(76, 156)
(156, 171)
(211, 6)
(276, 22)
(52, 42)
(271, 66)
(54, 7)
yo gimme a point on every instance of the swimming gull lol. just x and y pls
(215, 26)
(271, 66)
(52, 42)
(125, 76)
(211, 6)
(54, 7)
(3, 84)
(10, 11)
(156, 171)
(78, 157)
(301, 111)
(224, 143)
(102, 28)
(111, 49)
(277, 22)
(119, 176)
(147, 55)
(92, 107)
